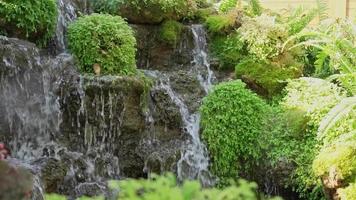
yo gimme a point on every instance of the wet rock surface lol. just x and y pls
(75, 132)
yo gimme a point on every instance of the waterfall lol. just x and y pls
(194, 161)
(66, 14)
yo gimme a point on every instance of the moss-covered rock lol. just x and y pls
(103, 44)
(34, 20)
(171, 32)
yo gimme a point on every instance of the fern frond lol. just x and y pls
(322, 8)
(337, 113)
(300, 22)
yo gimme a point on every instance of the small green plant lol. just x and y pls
(232, 121)
(171, 32)
(34, 20)
(103, 40)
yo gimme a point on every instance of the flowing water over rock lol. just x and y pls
(74, 132)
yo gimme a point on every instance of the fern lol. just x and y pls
(337, 113)
(322, 8)
(301, 21)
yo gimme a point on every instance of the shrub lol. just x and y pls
(34, 20)
(171, 32)
(165, 187)
(232, 121)
(310, 99)
(104, 40)
(148, 11)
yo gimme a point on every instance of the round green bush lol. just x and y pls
(103, 40)
(147, 11)
(232, 121)
(34, 20)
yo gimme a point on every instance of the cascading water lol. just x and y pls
(194, 161)
(195, 156)
(66, 14)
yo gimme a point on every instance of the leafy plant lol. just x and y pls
(232, 121)
(171, 32)
(335, 41)
(103, 40)
(34, 20)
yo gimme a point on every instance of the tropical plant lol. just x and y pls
(103, 41)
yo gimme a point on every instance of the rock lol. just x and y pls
(154, 54)
(15, 183)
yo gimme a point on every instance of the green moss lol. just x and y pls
(272, 78)
(34, 20)
(339, 156)
(347, 193)
(171, 32)
(232, 121)
(104, 40)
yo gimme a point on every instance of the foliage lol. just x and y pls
(162, 10)
(310, 99)
(250, 8)
(165, 187)
(340, 120)
(348, 192)
(34, 20)
(271, 77)
(339, 155)
(105, 40)
(223, 23)
(232, 123)
(336, 40)
(171, 31)
(264, 37)
(229, 50)
(299, 20)
(227, 5)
